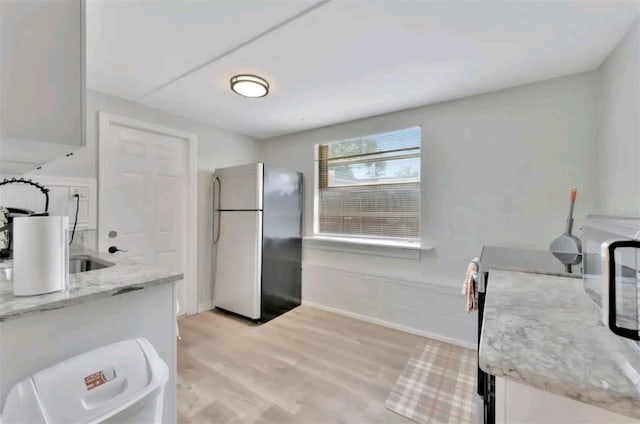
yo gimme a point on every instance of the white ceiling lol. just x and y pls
(337, 61)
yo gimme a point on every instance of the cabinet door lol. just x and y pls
(519, 403)
(41, 79)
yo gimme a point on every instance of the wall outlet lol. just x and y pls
(83, 192)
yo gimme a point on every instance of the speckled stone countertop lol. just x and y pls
(124, 276)
(544, 331)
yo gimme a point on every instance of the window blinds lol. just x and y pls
(370, 186)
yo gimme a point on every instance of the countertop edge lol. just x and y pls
(622, 404)
(64, 303)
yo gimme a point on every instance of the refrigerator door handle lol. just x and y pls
(216, 232)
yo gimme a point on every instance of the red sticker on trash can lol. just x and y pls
(94, 380)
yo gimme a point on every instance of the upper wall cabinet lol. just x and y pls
(42, 82)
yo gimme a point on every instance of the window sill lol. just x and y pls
(387, 248)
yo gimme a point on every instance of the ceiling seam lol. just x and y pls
(234, 49)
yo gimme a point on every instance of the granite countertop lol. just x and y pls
(544, 331)
(123, 277)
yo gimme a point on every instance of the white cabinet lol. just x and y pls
(42, 82)
(37, 341)
(522, 404)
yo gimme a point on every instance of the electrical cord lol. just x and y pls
(75, 222)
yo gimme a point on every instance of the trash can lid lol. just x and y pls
(99, 383)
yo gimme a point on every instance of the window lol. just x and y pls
(370, 186)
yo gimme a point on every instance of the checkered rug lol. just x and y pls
(437, 385)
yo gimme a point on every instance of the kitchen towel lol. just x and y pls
(40, 254)
(470, 286)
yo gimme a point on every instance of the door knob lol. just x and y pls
(114, 249)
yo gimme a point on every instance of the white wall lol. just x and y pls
(619, 129)
(216, 148)
(497, 169)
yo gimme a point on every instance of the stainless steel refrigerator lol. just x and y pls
(257, 231)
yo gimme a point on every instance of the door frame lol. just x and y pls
(105, 121)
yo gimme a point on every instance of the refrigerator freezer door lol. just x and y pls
(237, 282)
(240, 187)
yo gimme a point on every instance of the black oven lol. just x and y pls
(486, 383)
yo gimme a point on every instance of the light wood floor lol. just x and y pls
(307, 366)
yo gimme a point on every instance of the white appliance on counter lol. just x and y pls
(611, 272)
(40, 255)
(258, 240)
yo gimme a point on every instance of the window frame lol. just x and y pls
(357, 239)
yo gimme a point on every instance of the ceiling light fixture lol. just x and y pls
(249, 85)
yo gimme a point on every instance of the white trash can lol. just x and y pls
(120, 383)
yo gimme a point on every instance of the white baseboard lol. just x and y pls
(393, 326)
(204, 307)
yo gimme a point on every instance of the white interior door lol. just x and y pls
(144, 197)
